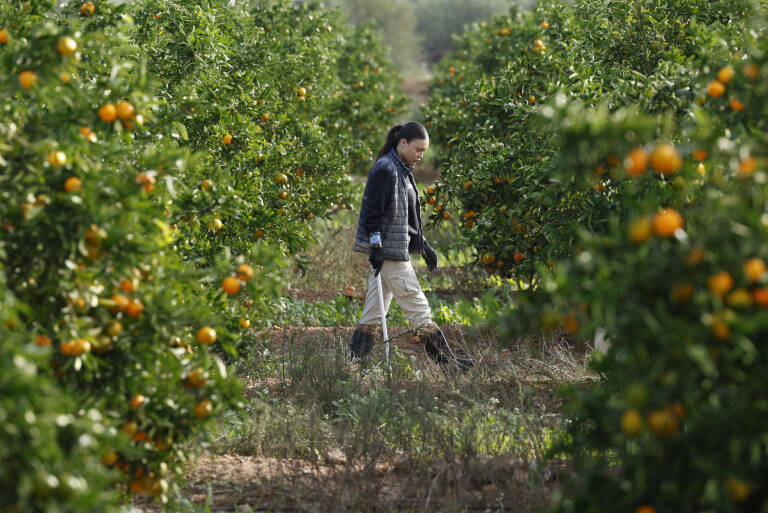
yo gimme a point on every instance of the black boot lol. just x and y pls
(361, 344)
(439, 350)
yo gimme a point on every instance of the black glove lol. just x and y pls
(375, 256)
(430, 257)
(376, 259)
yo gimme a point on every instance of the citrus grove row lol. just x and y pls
(614, 155)
(157, 160)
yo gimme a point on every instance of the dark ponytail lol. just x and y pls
(410, 131)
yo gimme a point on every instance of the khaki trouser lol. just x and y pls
(398, 281)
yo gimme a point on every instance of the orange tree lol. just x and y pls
(499, 176)
(129, 329)
(47, 457)
(677, 278)
(283, 100)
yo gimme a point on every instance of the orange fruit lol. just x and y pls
(43, 340)
(488, 258)
(281, 178)
(114, 328)
(206, 335)
(265, 117)
(631, 423)
(446, 215)
(282, 194)
(662, 423)
(761, 296)
(699, 154)
(134, 308)
(636, 162)
(206, 184)
(301, 91)
(125, 111)
(666, 222)
(467, 184)
(737, 489)
(665, 159)
(571, 324)
(430, 189)
(721, 330)
(737, 105)
(4, 38)
(87, 8)
(109, 458)
(227, 139)
(645, 509)
(259, 233)
(108, 113)
(544, 24)
(121, 302)
(244, 323)
(754, 269)
(130, 428)
(518, 257)
(128, 285)
(701, 169)
(725, 75)
(747, 166)
(66, 45)
(216, 224)
(740, 298)
(245, 272)
(203, 409)
(73, 184)
(531, 99)
(27, 79)
(431, 200)
(715, 89)
(137, 401)
(719, 284)
(751, 71)
(640, 230)
(57, 158)
(231, 285)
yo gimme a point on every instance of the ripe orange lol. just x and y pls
(446, 215)
(108, 113)
(66, 45)
(719, 284)
(137, 401)
(725, 75)
(662, 423)
(467, 184)
(281, 178)
(430, 189)
(227, 139)
(636, 162)
(740, 298)
(754, 269)
(761, 296)
(197, 377)
(265, 117)
(259, 233)
(134, 308)
(73, 184)
(4, 38)
(571, 324)
(244, 323)
(645, 509)
(666, 222)
(121, 303)
(130, 428)
(737, 105)
(57, 158)
(665, 159)
(716, 89)
(721, 330)
(216, 224)
(203, 409)
(43, 340)
(518, 257)
(114, 328)
(27, 79)
(87, 8)
(631, 423)
(701, 169)
(282, 194)
(302, 91)
(544, 24)
(531, 99)
(128, 285)
(640, 230)
(231, 285)
(737, 489)
(206, 184)
(488, 258)
(245, 272)
(206, 335)
(109, 458)
(699, 154)
(431, 200)
(751, 71)
(683, 293)
(125, 111)
(747, 166)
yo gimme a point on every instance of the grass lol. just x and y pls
(319, 433)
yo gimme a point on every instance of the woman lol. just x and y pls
(389, 230)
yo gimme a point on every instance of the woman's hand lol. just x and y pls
(430, 257)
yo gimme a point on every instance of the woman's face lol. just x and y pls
(411, 152)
